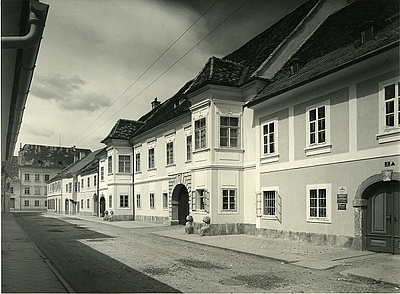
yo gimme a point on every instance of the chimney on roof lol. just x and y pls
(155, 103)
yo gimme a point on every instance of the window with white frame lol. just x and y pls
(124, 163)
(189, 148)
(269, 200)
(200, 134)
(269, 138)
(87, 203)
(317, 125)
(45, 190)
(109, 201)
(12, 190)
(26, 202)
(82, 183)
(228, 199)
(70, 187)
(152, 201)
(137, 162)
(170, 153)
(390, 97)
(81, 203)
(27, 177)
(110, 164)
(45, 203)
(37, 203)
(318, 204)
(27, 191)
(46, 177)
(229, 131)
(123, 201)
(66, 188)
(201, 199)
(165, 200)
(37, 177)
(95, 180)
(151, 158)
(102, 173)
(138, 201)
(88, 182)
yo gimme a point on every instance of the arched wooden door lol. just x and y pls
(383, 213)
(180, 204)
(102, 206)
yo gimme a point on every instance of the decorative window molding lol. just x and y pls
(151, 158)
(200, 134)
(170, 153)
(319, 203)
(389, 114)
(318, 129)
(124, 164)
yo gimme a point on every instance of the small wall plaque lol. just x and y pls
(341, 198)
(341, 206)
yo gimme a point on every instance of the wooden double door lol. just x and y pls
(383, 214)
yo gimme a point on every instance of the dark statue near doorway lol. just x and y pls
(189, 229)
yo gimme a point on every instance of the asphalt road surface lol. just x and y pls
(98, 257)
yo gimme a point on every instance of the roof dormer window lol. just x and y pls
(368, 31)
(295, 65)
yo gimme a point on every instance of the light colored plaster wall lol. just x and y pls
(292, 188)
(368, 110)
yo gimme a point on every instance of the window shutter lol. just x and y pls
(206, 201)
(278, 208)
(194, 194)
(258, 204)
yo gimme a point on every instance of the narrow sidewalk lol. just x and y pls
(24, 269)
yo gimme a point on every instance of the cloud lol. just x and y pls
(40, 132)
(68, 92)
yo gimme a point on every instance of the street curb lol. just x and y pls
(47, 261)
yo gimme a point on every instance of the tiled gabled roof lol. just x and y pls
(123, 129)
(171, 108)
(337, 43)
(219, 72)
(77, 166)
(49, 156)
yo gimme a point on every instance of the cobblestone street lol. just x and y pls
(174, 265)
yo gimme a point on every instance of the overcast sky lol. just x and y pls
(94, 51)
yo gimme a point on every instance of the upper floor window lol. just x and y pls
(88, 182)
(70, 187)
(45, 190)
(137, 162)
(102, 173)
(188, 148)
(151, 158)
(200, 134)
(124, 163)
(138, 201)
(27, 177)
(228, 199)
(170, 153)
(37, 177)
(46, 177)
(82, 183)
(66, 188)
(27, 191)
(110, 164)
(229, 131)
(392, 106)
(317, 125)
(12, 190)
(269, 138)
(95, 180)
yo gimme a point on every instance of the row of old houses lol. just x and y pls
(295, 135)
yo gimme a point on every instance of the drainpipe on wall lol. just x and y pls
(29, 45)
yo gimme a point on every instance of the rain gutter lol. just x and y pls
(27, 50)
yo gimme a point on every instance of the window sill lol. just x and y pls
(123, 208)
(138, 172)
(201, 150)
(269, 158)
(229, 212)
(170, 165)
(199, 212)
(151, 169)
(319, 220)
(269, 217)
(235, 149)
(318, 149)
(389, 135)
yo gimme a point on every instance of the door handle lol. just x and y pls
(389, 218)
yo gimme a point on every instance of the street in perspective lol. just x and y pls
(90, 255)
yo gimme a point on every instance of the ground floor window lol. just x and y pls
(138, 201)
(87, 203)
(228, 199)
(269, 202)
(37, 203)
(318, 202)
(26, 202)
(123, 201)
(45, 203)
(81, 203)
(109, 201)
(165, 200)
(152, 201)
